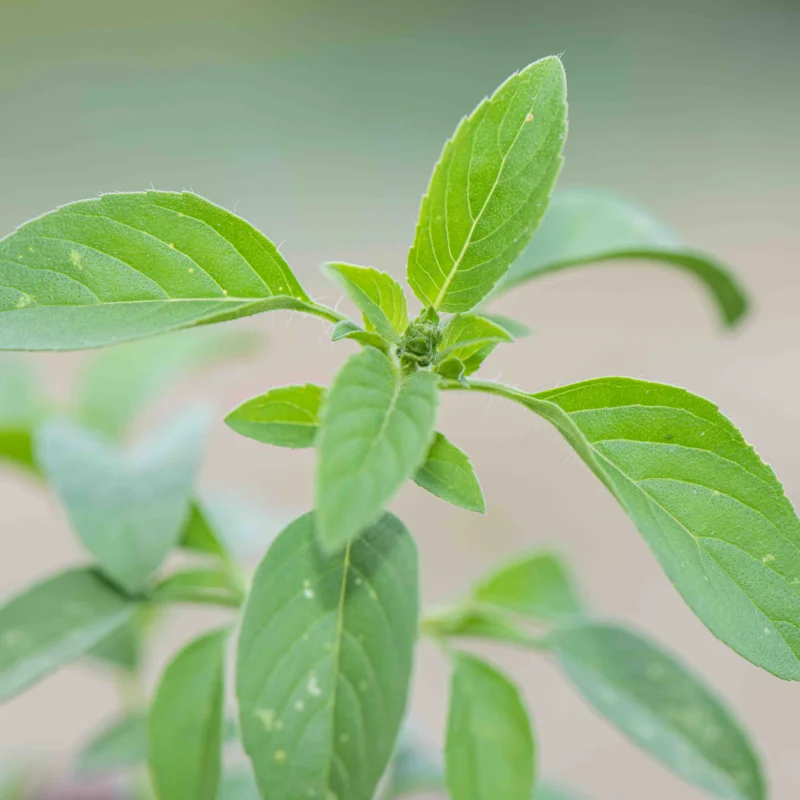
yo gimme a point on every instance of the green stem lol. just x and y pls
(323, 311)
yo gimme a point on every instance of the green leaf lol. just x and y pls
(286, 417)
(490, 189)
(124, 266)
(467, 334)
(347, 329)
(324, 660)
(55, 622)
(22, 406)
(447, 473)
(185, 724)
(128, 508)
(537, 585)
(584, 227)
(489, 750)
(416, 767)
(215, 585)
(376, 429)
(713, 513)
(121, 380)
(661, 707)
(379, 297)
(120, 746)
(452, 369)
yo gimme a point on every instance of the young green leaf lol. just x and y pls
(324, 660)
(286, 417)
(584, 227)
(490, 189)
(416, 767)
(714, 514)
(128, 509)
(120, 746)
(447, 473)
(466, 334)
(661, 706)
(121, 380)
(376, 429)
(185, 724)
(489, 751)
(379, 297)
(215, 585)
(124, 266)
(55, 622)
(22, 405)
(347, 329)
(452, 369)
(537, 585)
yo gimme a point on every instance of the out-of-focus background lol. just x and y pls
(319, 122)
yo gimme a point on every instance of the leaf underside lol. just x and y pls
(584, 227)
(324, 661)
(55, 622)
(661, 706)
(125, 266)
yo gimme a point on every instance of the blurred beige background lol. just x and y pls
(320, 122)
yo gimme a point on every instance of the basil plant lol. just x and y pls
(326, 629)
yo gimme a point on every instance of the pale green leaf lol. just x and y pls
(324, 660)
(185, 723)
(490, 189)
(215, 585)
(55, 622)
(125, 266)
(118, 382)
(122, 745)
(128, 508)
(377, 426)
(379, 297)
(583, 227)
(467, 334)
(536, 585)
(661, 706)
(416, 767)
(489, 751)
(22, 406)
(286, 417)
(448, 473)
(713, 513)
(347, 329)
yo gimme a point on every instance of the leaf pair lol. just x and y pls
(374, 430)
(642, 690)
